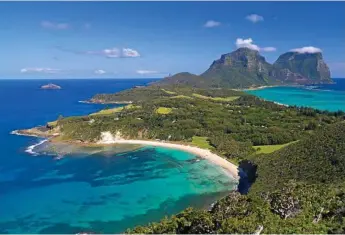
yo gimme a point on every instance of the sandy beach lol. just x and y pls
(203, 153)
(108, 138)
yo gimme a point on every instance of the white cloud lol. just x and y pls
(212, 24)
(309, 49)
(39, 70)
(143, 72)
(52, 25)
(128, 52)
(115, 53)
(100, 71)
(248, 43)
(254, 18)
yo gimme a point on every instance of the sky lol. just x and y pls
(154, 39)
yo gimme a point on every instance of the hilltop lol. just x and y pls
(244, 68)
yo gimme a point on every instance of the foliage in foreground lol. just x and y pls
(287, 197)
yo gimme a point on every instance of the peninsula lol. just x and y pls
(292, 156)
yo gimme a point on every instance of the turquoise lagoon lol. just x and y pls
(99, 191)
(329, 97)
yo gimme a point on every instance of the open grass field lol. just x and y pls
(114, 110)
(169, 92)
(201, 142)
(231, 98)
(163, 110)
(181, 96)
(270, 148)
(52, 124)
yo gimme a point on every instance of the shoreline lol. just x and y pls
(104, 102)
(231, 168)
(259, 88)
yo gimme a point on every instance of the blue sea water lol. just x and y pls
(95, 192)
(329, 97)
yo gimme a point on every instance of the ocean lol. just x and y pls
(329, 97)
(101, 192)
(106, 192)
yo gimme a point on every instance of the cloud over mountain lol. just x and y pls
(248, 43)
(309, 49)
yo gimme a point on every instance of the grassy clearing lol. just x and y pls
(231, 98)
(201, 142)
(270, 148)
(52, 124)
(181, 96)
(169, 92)
(164, 110)
(115, 110)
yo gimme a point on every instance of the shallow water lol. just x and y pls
(329, 97)
(99, 191)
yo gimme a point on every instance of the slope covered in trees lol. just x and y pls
(299, 189)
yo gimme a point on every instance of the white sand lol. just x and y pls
(108, 138)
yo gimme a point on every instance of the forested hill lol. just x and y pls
(299, 189)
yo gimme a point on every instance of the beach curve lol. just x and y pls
(203, 153)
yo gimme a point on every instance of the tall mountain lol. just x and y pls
(241, 68)
(247, 68)
(310, 65)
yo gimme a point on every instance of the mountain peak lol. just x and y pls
(309, 65)
(246, 49)
(245, 67)
(241, 57)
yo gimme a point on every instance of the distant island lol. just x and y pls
(51, 86)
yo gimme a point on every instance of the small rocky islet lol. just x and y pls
(50, 86)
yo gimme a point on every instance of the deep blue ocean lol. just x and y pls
(101, 192)
(97, 192)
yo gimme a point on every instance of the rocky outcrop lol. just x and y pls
(51, 86)
(310, 66)
(246, 68)
(241, 68)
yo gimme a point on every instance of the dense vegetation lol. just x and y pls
(299, 189)
(294, 155)
(231, 121)
(298, 184)
(156, 91)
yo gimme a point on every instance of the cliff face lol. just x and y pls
(241, 68)
(246, 68)
(309, 65)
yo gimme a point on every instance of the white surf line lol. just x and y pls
(31, 148)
